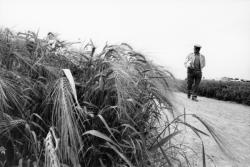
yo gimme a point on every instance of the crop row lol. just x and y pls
(223, 90)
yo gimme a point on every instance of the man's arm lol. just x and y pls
(187, 61)
(203, 61)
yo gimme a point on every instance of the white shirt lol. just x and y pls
(189, 62)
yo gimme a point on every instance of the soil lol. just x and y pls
(230, 120)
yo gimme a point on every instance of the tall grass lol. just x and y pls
(97, 109)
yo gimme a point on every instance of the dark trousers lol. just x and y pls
(193, 81)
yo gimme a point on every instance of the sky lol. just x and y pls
(163, 30)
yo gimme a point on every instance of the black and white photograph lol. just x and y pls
(124, 83)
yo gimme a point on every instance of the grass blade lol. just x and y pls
(99, 135)
(120, 154)
(166, 157)
(163, 141)
(203, 155)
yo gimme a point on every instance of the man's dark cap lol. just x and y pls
(50, 33)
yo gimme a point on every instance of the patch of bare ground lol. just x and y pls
(230, 120)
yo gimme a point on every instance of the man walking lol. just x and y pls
(194, 63)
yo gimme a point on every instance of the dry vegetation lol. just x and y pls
(76, 109)
(223, 90)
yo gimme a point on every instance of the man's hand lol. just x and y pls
(189, 65)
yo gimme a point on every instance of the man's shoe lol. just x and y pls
(194, 99)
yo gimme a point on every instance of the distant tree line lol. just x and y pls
(223, 90)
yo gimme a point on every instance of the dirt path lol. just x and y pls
(230, 119)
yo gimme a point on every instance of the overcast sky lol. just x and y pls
(163, 30)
